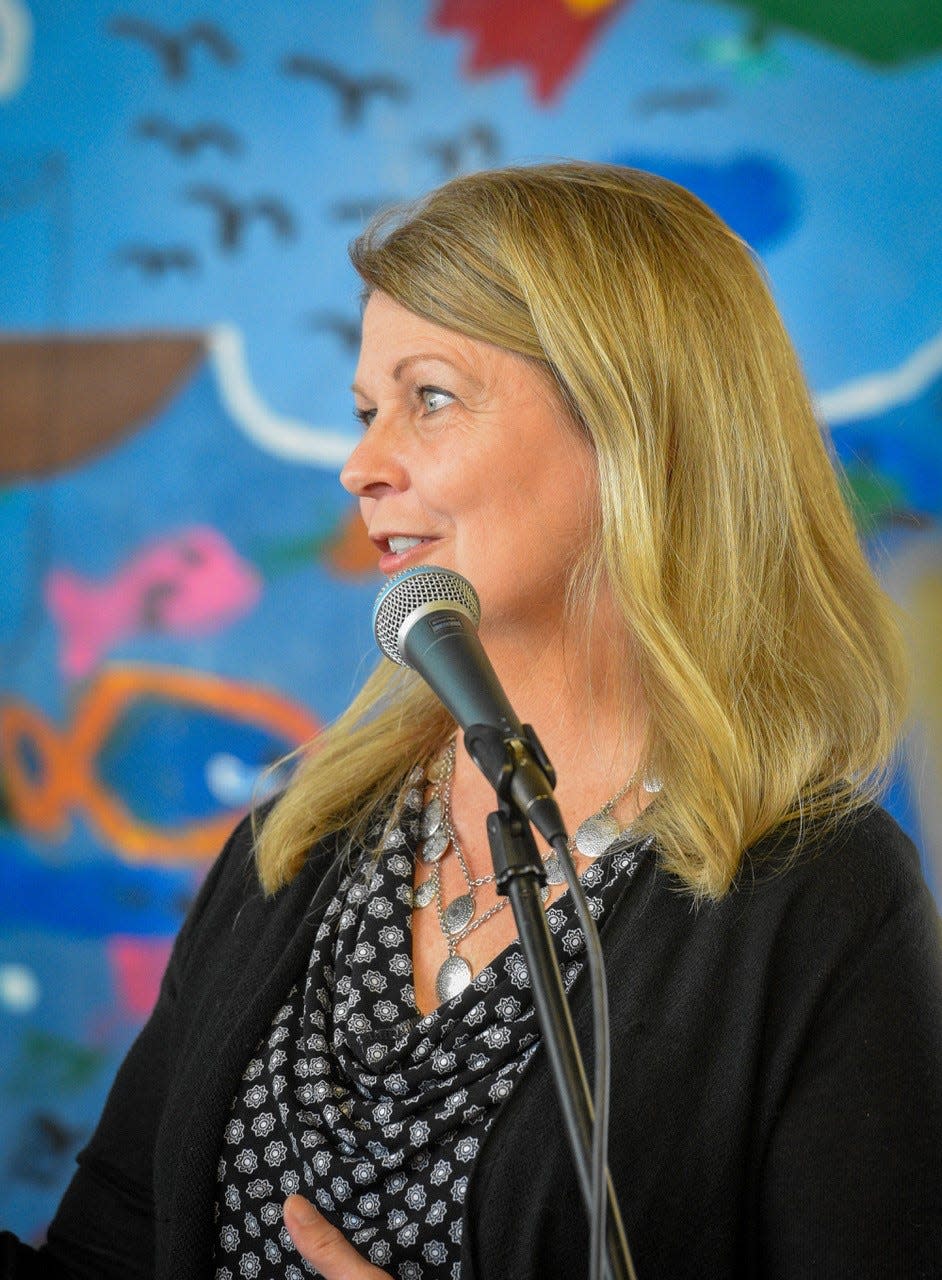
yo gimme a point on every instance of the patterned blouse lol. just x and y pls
(369, 1109)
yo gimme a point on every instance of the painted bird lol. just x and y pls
(233, 216)
(188, 142)
(173, 49)
(352, 92)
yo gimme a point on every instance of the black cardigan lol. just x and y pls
(776, 1097)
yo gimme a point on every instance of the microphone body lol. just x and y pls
(441, 642)
(426, 618)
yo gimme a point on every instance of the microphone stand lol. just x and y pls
(520, 875)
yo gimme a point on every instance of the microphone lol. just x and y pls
(426, 618)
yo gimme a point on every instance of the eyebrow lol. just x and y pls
(406, 361)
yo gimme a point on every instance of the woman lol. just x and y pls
(576, 392)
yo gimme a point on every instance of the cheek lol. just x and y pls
(579, 484)
(459, 484)
(565, 494)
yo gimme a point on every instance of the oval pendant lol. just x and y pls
(431, 817)
(554, 872)
(457, 915)
(453, 977)
(435, 846)
(425, 892)
(595, 835)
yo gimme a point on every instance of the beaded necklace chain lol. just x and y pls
(457, 920)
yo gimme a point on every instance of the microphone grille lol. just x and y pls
(411, 589)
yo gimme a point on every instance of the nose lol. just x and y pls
(375, 466)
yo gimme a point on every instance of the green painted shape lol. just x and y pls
(274, 558)
(873, 498)
(884, 32)
(51, 1064)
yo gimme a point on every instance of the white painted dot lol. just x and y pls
(19, 988)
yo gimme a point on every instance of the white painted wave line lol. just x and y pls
(287, 438)
(300, 442)
(16, 42)
(868, 396)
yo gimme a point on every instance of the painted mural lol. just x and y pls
(186, 592)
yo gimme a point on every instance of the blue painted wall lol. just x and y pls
(187, 599)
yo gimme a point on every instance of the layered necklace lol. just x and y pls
(457, 918)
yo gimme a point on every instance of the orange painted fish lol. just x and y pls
(110, 764)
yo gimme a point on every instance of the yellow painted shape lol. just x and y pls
(584, 8)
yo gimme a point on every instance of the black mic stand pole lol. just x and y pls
(519, 874)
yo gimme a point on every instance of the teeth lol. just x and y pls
(398, 545)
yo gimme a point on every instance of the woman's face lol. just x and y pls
(469, 460)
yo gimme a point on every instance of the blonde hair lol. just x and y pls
(770, 660)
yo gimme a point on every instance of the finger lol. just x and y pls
(321, 1244)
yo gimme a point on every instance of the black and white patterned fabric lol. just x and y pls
(372, 1111)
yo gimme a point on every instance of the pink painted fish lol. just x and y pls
(191, 584)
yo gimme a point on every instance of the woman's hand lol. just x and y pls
(324, 1247)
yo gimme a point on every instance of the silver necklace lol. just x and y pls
(594, 836)
(456, 920)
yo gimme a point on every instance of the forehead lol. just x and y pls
(394, 338)
(390, 330)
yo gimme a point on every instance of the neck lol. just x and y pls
(584, 702)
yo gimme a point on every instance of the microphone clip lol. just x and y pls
(501, 753)
(520, 771)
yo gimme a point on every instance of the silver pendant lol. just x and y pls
(453, 977)
(595, 835)
(554, 872)
(458, 914)
(652, 784)
(425, 893)
(435, 845)
(431, 817)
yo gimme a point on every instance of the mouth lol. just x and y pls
(399, 544)
(398, 550)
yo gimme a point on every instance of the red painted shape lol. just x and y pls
(137, 966)
(548, 38)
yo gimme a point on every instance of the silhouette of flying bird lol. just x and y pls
(452, 152)
(173, 50)
(187, 142)
(352, 92)
(341, 326)
(233, 216)
(154, 262)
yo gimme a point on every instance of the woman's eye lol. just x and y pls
(364, 416)
(434, 398)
